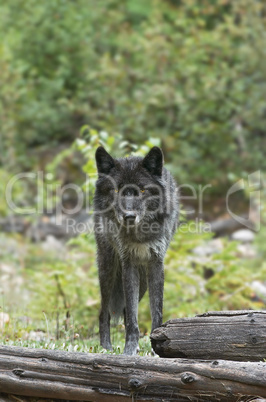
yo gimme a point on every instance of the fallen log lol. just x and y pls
(223, 227)
(229, 335)
(102, 377)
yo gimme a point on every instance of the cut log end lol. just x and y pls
(230, 335)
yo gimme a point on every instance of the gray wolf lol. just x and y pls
(135, 217)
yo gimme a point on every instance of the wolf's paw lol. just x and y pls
(131, 350)
(107, 346)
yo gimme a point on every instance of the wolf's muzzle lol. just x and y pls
(130, 218)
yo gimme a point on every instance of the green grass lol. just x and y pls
(60, 335)
(86, 346)
(56, 296)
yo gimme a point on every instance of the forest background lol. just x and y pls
(188, 76)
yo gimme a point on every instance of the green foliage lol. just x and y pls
(71, 284)
(91, 139)
(62, 290)
(186, 75)
(19, 190)
(63, 293)
(188, 291)
(3, 180)
(74, 344)
(190, 73)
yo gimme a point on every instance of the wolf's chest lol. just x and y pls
(141, 251)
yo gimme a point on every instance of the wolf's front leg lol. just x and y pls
(131, 294)
(156, 285)
(107, 274)
(104, 326)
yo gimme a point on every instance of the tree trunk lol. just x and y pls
(229, 335)
(100, 377)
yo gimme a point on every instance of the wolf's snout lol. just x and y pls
(130, 217)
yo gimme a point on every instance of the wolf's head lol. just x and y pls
(130, 189)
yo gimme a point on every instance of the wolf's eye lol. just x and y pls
(142, 190)
(116, 191)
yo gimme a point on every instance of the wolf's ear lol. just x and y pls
(104, 161)
(153, 161)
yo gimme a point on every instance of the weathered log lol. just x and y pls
(45, 225)
(101, 377)
(228, 335)
(222, 227)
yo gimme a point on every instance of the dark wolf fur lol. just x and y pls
(136, 214)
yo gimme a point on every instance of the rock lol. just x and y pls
(60, 226)
(42, 228)
(11, 247)
(222, 227)
(259, 289)
(7, 270)
(14, 224)
(259, 400)
(37, 336)
(246, 251)
(91, 302)
(243, 235)
(211, 247)
(52, 244)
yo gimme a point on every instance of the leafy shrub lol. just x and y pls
(190, 73)
(63, 287)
